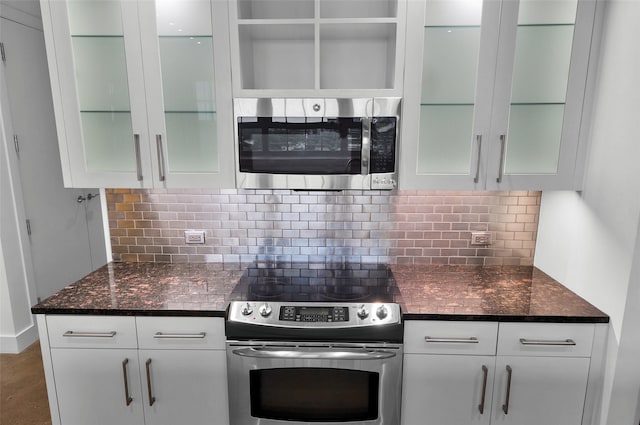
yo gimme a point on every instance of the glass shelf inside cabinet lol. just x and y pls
(449, 73)
(544, 42)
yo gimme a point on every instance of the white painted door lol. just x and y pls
(189, 387)
(543, 390)
(447, 389)
(93, 384)
(67, 240)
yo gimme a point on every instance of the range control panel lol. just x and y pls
(316, 315)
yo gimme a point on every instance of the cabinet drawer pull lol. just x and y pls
(128, 399)
(485, 374)
(152, 399)
(470, 340)
(73, 334)
(180, 335)
(525, 341)
(505, 406)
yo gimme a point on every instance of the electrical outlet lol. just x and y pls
(194, 237)
(480, 238)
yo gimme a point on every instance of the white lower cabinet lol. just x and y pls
(447, 389)
(459, 373)
(135, 371)
(97, 386)
(542, 391)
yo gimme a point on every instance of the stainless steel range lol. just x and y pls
(315, 362)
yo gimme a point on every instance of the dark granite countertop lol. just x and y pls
(500, 293)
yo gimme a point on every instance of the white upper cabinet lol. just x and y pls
(494, 93)
(332, 48)
(141, 92)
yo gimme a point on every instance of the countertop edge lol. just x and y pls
(405, 316)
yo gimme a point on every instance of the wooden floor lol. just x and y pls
(23, 394)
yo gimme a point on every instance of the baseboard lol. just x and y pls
(15, 344)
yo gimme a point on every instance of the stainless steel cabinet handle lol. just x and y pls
(485, 374)
(268, 353)
(366, 146)
(128, 399)
(136, 146)
(181, 335)
(476, 179)
(503, 148)
(505, 406)
(525, 341)
(73, 334)
(161, 174)
(152, 399)
(470, 340)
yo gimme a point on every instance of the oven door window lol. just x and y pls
(314, 394)
(300, 145)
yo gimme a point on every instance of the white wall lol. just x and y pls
(591, 241)
(17, 328)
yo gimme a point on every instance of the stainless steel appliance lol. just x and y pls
(315, 362)
(316, 144)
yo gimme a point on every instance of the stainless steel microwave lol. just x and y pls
(316, 144)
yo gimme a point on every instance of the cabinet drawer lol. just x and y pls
(548, 339)
(438, 337)
(92, 331)
(204, 333)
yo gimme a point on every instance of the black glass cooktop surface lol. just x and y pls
(326, 282)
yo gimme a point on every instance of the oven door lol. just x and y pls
(280, 383)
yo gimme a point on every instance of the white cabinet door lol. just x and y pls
(96, 72)
(142, 92)
(497, 94)
(97, 386)
(185, 47)
(447, 389)
(187, 387)
(539, 390)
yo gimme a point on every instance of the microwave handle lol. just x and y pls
(366, 146)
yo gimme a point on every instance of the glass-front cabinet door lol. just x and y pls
(540, 88)
(188, 91)
(497, 90)
(449, 74)
(140, 88)
(93, 49)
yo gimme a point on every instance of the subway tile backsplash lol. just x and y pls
(419, 227)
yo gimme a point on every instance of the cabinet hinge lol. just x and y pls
(28, 227)
(16, 144)
(4, 56)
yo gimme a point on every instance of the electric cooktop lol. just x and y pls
(325, 282)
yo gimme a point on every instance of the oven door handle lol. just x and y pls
(324, 354)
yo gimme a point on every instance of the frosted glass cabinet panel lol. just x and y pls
(544, 41)
(137, 88)
(501, 94)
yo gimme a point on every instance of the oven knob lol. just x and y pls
(382, 312)
(362, 312)
(246, 309)
(265, 310)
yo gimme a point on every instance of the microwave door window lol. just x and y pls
(300, 145)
